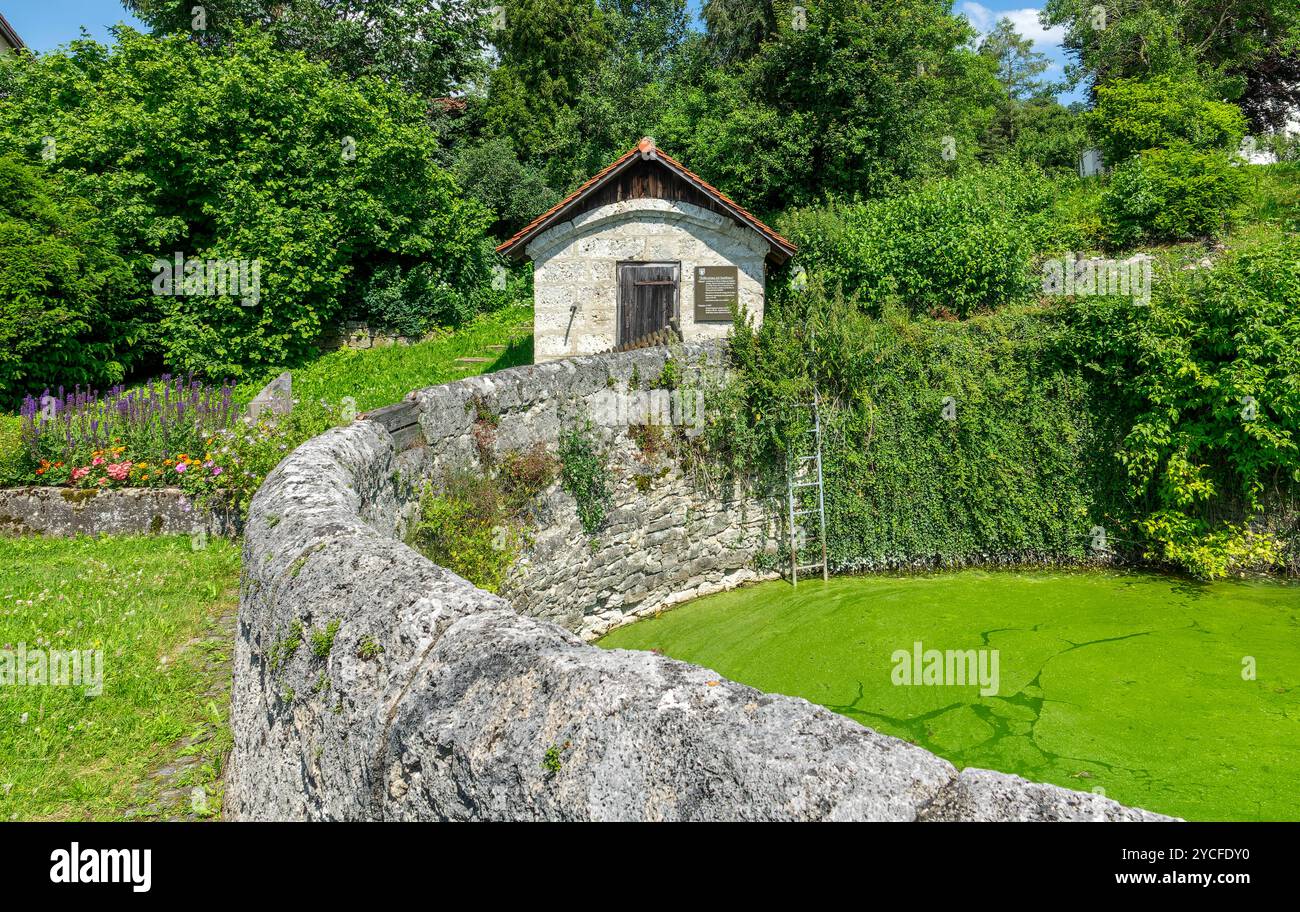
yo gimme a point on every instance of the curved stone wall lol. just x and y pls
(371, 684)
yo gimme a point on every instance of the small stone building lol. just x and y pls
(643, 246)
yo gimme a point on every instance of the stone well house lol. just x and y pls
(642, 246)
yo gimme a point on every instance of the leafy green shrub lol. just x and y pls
(1050, 136)
(70, 310)
(1171, 194)
(951, 247)
(474, 523)
(1205, 379)
(14, 464)
(515, 191)
(238, 152)
(1075, 222)
(466, 526)
(584, 476)
(410, 302)
(1134, 115)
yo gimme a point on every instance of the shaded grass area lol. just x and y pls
(1129, 683)
(377, 377)
(150, 604)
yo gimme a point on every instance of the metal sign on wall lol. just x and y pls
(716, 293)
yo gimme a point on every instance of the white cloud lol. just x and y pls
(1046, 40)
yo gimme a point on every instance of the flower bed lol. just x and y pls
(175, 432)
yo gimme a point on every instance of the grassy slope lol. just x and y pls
(68, 756)
(382, 376)
(1129, 683)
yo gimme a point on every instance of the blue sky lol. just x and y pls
(46, 24)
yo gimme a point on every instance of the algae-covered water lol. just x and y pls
(1178, 697)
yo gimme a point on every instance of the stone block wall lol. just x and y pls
(665, 539)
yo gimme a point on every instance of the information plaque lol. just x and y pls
(716, 293)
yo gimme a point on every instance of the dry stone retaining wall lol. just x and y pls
(371, 684)
(664, 539)
(126, 511)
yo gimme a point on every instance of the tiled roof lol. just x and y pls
(646, 149)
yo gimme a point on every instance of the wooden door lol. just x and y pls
(647, 298)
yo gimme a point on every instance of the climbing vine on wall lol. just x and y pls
(584, 475)
(945, 442)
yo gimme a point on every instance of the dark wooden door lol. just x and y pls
(647, 298)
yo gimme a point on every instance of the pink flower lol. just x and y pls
(180, 468)
(78, 474)
(98, 460)
(216, 470)
(118, 471)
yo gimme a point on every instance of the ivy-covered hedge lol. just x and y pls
(945, 443)
(1173, 426)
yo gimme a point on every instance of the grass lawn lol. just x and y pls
(1130, 683)
(153, 606)
(162, 615)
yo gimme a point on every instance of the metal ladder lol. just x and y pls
(799, 478)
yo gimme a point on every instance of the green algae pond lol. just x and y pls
(1175, 696)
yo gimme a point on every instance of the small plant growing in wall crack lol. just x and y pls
(484, 430)
(285, 648)
(584, 476)
(552, 760)
(670, 377)
(322, 641)
(368, 648)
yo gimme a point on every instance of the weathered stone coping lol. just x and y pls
(370, 684)
(57, 511)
